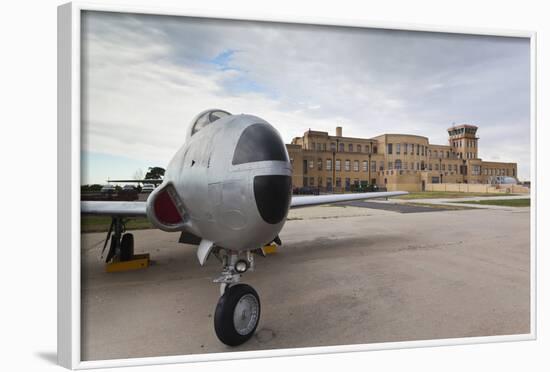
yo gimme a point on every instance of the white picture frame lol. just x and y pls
(69, 133)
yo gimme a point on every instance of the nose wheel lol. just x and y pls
(238, 309)
(237, 314)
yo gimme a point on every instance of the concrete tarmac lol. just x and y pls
(344, 275)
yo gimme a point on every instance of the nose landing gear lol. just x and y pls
(238, 310)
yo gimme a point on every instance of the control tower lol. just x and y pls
(463, 141)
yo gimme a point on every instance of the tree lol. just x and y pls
(90, 188)
(155, 173)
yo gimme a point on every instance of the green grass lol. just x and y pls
(446, 195)
(501, 202)
(101, 224)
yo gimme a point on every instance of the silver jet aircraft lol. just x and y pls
(228, 190)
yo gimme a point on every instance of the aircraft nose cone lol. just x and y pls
(273, 194)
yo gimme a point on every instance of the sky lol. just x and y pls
(144, 77)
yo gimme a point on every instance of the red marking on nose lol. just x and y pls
(165, 209)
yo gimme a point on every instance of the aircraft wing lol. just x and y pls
(152, 180)
(137, 209)
(114, 208)
(311, 200)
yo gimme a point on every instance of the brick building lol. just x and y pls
(394, 161)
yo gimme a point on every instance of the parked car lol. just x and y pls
(108, 189)
(147, 187)
(306, 191)
(128, 192)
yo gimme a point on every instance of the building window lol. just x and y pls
(405, 165)
(350, 147)
(375, 149)
(311, 181)
(390, 148)
(341, 147)
(348, 182)
(319, 164)
(312, 147)
(381, 165)
(405, 148)
(332, 146)
(430, 166)
(398, 148)
(337, 165)
(324, 147)
(476, 170)
(329, 164)
(310, 164)
(319, 147)
(347, 166)
(356, 165)
(390, 165)
(443, 167)
(365, 166)
(338, 182)
(359, 148)
(373, 165)
(398, 164)
(430, 153)
(329, 183)
(417, 166)
(366, 149)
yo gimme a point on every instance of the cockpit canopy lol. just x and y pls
(207, 117)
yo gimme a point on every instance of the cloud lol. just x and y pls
(146, 77)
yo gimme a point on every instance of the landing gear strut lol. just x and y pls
(121, 244)
(238, 310)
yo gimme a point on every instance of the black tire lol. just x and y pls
(127, 247)
(224, 317)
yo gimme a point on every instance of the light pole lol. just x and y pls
(440, 172)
